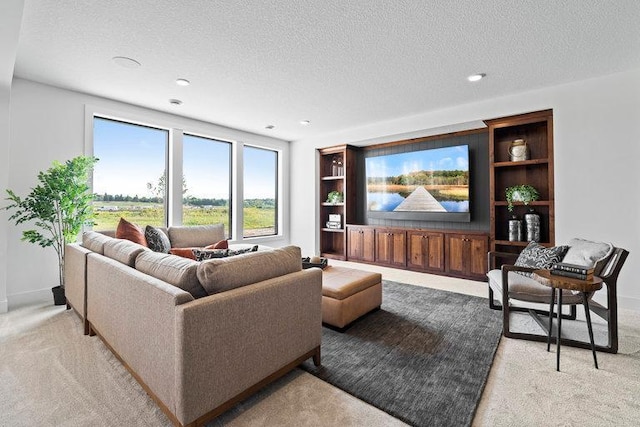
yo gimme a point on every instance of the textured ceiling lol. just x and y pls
(341, 64)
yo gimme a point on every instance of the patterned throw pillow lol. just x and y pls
(205, 254)
(243, 251)
(537, 256)
(129, 231)
(157, 240)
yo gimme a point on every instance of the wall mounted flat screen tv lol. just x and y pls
(425, 185)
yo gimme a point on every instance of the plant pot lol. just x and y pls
(58, 295)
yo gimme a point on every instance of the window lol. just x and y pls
(206, 197)
(260, 209)
(130, 177)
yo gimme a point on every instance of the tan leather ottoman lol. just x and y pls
(347, 294)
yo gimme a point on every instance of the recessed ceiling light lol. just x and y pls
(476, 77)
(125, 62)
(175, 102)
(305, 122)
(269, 127)
(183, 82)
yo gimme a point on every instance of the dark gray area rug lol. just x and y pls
(424, 357)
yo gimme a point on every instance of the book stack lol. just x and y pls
(571, 270)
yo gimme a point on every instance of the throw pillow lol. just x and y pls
(537, 256)
(157, 240)
(183, 252)
(205, 254)
(243, 251)
(588, 253)
(129, 231)
(222, 244)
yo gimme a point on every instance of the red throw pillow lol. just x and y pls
(130, 231)
(222, 244)
(183, 252)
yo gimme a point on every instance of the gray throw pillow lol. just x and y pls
(157, 240)
(537, 256)
(588, 254)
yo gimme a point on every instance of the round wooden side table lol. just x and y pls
(585, 287)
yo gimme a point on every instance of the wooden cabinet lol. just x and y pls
(390, 247)
(466, 254)
(454, 253)
(337, 173)
(425, 251)
(360, 244)
(537, 131)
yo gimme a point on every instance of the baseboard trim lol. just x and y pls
(4, 306)
(29, 298)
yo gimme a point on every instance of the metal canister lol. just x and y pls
(518, 150)
(515, 230)
(532, 219)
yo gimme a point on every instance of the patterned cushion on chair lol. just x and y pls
(537, 256)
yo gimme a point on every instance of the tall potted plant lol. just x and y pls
(58, 206)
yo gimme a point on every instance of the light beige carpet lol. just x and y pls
(52, 375)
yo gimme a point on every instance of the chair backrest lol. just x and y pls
(612, 269)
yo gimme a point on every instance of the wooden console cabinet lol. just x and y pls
(452, 253)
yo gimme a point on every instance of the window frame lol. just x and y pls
(179, 126)
(277, 190)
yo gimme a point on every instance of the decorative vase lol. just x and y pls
(515, 229)
(518, 150)
(532, 219)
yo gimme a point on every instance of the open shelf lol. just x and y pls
(520, 163)
(332, 230)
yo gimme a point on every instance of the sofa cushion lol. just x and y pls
(537, 256)
(197, 236)
(157, 240)
(177, 271)
(223, 274)
(94, 241)
(123, 251)
(588, 253)
(129, 231)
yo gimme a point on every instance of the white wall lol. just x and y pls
(47, 124)
(597, 156)
(10, 20)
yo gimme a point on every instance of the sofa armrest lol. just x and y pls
(75, 280)
(135, 315)
(230, 341)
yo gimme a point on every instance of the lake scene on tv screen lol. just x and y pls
(434, 180)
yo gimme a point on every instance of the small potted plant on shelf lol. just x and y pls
(58, 207)
(335, 197)
(524, 193)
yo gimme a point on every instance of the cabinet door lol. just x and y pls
(455, 248)
(368, 244)
(390, 247)
(435, 252)
(398, 249)
(478, 248)
(383, 246)
(417, 250)
(425, 251)
(360, 244)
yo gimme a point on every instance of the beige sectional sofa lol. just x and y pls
(198, 336)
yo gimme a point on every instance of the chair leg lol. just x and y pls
(553, 295)
(588, 316)
(559, 330)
